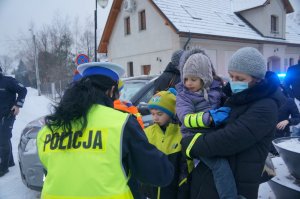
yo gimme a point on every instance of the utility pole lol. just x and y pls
(95, 15)
(36, 64)
(103, 4)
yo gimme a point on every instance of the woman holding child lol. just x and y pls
(244, 140)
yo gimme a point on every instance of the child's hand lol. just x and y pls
(220, 115)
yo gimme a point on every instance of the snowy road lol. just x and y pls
(11, 186)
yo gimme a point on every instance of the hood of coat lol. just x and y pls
(171, 68)
(262, 90)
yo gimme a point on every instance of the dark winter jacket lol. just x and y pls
(292, 79)
(289, 108)
(9, 88)
(188, 102)
(168, 79)
(244, 141)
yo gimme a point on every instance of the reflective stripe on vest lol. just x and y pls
(86, 164)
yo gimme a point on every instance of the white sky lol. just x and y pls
(16, 16)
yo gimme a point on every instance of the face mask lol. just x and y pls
(237, 86)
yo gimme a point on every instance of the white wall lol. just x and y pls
(142, 47)
(158, 42)
(218, 51)
(263, 25)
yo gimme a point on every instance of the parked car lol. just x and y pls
(31, 168)
(138, 90)
(133, 84)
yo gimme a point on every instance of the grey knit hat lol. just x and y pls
(249, 61)
(176, 57)
(199, 65)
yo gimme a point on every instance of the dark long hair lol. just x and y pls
(77, 101)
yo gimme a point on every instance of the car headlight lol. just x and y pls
(31, 146)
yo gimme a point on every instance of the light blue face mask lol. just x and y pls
(238, 86)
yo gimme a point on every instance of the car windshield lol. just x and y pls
(130, 89)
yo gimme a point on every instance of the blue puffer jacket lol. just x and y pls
(190, 102)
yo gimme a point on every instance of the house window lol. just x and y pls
(286, 62)
(146, 69)
(291, 61)
(274, 24)
(127, 26)
(142, 20)
(130, 69)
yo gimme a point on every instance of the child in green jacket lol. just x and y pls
(165, 134)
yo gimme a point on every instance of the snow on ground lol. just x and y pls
(11, 185)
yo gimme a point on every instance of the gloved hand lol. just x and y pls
(187, 145)
(219, 115)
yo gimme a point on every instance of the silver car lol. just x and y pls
(31, 168)
(137, 89)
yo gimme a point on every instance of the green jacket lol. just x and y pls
(167, 142)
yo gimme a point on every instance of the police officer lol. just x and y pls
(89, 149)
(9, 108)
(292, 81)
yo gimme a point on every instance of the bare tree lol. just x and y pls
(87, 40)
(76, 31)
(57, 48)
(87, 44)
(5, 63)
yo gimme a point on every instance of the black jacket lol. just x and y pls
(244, 141)
(168, 79)
(9, 88)
(289, 108)
(292, 80)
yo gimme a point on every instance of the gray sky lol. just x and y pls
(16, 16)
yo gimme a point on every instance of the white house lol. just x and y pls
(142, 34)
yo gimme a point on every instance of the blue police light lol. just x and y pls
(281, 75)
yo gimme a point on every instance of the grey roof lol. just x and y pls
(240, 5)
(217, 18)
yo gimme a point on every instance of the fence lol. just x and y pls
(54, 90)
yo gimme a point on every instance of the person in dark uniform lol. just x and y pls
(292, 80)
(12, 97)
(89, 149)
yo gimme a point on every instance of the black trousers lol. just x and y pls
(6, 157)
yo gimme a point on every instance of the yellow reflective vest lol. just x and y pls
(88, 164)
(167, 142)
